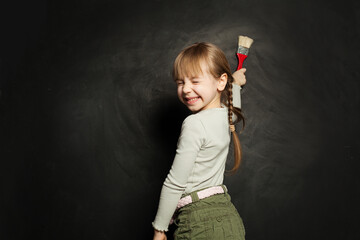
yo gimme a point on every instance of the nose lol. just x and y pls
(186, 87)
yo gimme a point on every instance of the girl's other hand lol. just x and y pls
(239, 77)
(159, 235)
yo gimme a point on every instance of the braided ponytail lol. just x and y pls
(239, 116)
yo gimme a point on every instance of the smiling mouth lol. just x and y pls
(192, 100)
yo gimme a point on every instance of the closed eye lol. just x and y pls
(179, 82)
(195, 80)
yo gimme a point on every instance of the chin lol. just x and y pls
(194, 109)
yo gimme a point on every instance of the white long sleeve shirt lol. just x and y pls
(200, 158)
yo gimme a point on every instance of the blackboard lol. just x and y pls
(90, 118)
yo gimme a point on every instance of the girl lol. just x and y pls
(193, 188)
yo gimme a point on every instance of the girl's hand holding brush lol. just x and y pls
(239, 77)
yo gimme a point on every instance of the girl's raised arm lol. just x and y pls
(239, 80)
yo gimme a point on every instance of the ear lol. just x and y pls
(222, 82)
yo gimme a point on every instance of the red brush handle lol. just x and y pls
(241, 58)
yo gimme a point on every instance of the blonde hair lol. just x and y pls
(188, 63)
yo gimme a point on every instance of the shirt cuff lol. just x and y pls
(159, 228)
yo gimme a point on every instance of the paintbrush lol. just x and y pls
(243, 49)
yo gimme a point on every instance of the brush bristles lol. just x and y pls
(245, 41)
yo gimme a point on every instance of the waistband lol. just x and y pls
(201, 194)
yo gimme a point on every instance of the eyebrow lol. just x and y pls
(190, 78)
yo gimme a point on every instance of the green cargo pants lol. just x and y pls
(214, 218)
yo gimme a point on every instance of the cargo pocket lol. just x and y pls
(221, 228)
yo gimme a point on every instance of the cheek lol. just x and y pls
(198, 89)
(179, 92)
(203, 90)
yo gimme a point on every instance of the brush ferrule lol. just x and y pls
(243, 50)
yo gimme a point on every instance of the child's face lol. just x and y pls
(200, 92)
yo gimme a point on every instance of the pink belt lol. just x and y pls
(196, 196)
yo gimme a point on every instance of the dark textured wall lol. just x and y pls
(90, 118)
